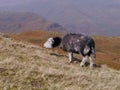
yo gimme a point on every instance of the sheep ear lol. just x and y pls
(86, 49)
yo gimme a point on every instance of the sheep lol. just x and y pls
(75, 43)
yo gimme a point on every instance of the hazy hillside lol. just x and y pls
(17, 22)
(24, 66)
(86, 16)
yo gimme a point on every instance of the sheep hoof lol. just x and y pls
(70, 61)
(81, 65)
(91, 67)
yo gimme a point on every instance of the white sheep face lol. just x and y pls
(49, 43)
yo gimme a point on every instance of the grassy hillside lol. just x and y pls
(108, 48)
(24, 66)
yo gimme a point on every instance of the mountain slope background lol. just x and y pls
(89, 16)
(14, 22)
(27, 66)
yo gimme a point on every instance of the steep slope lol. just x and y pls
(12, 22)
(107, 48)
(24, 66)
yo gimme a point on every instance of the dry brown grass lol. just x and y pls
(108, 45)
(24, 66)
(36, 37)
(108, 48)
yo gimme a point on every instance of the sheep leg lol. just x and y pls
(91, 62)
(70, 54)
(83, 61)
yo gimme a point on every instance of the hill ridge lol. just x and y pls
(14, 22)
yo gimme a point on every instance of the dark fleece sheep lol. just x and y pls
(75, 43)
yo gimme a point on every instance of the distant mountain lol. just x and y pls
(87, 16)
(18, 22)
